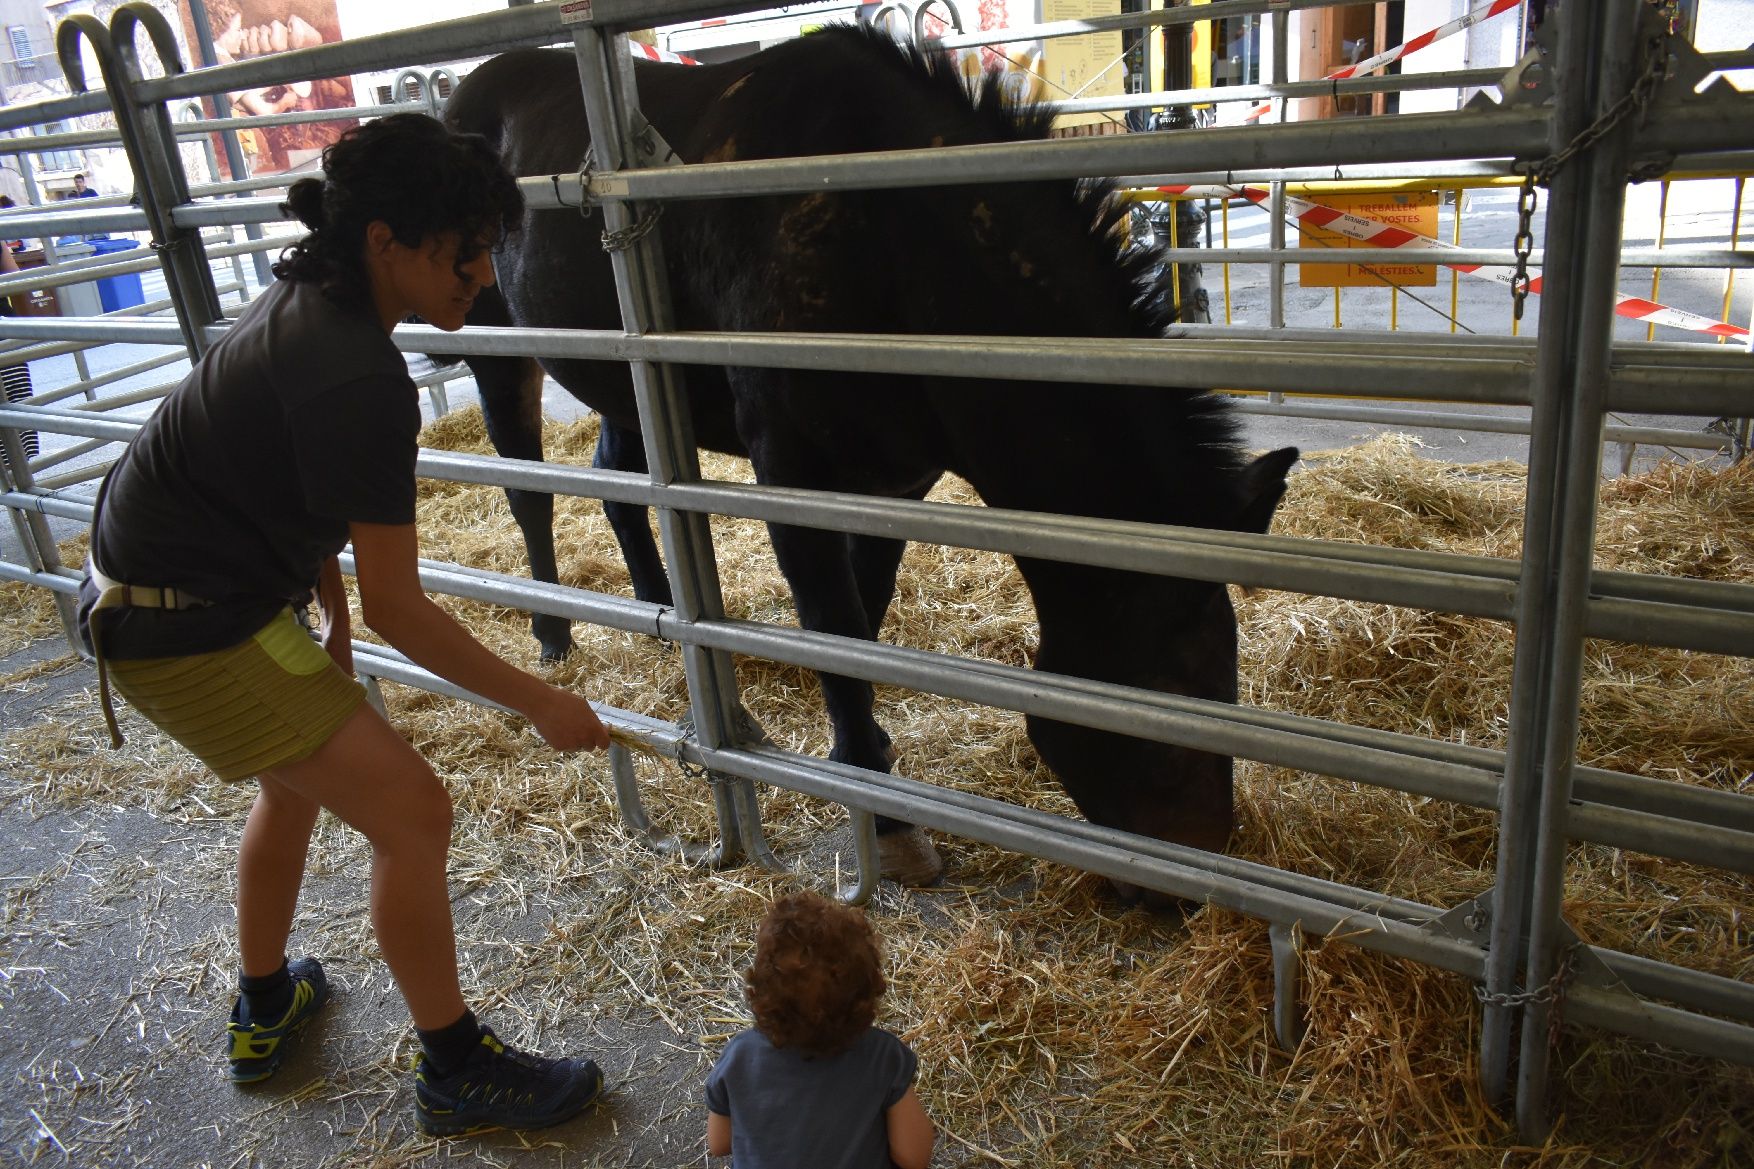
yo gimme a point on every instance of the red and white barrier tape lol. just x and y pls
(1384, 235)
(1371, 64)
(655, 54)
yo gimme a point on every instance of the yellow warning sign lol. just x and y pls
(1088, 65)
(1410, 211)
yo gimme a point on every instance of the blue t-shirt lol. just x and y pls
(789, 1109)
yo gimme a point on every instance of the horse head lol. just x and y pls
(1169, 634)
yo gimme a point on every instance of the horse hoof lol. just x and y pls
(1160, 903)
(908, 858)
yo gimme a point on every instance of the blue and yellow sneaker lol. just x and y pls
(256, 1048)
(499, 1087)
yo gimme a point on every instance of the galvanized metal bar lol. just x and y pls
(1598, 58)
(635, 819)
(1438, 173)
(69, 454)
(108, 377)
(1631, 258)
(145, 130)
(1184, 14)
(1724, 995)
(1497, 133)
(1715, 616)
(1283, 896)
(1288, 1018)
(73, 215)
(461, 39)
(1536, 609)
(1726, 837)
(611, 107)
(32, 528)
(1677, 984)
(1381, 83)
(197, 127)
(1487, 378)
(1151, 548)
(1674, 983)
(1388, 416)
(1700, 127)
(1098, 850)
(61, 583)
(1661, 1025)
(59, 109)
(1716, 381)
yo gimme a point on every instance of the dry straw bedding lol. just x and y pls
(1054, 1028)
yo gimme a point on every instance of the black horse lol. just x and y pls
(1039, 259)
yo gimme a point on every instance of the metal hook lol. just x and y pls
(433, 99)
(67, 37)
(401, 92)
(122, 29)
(919, 21)
(880, 19)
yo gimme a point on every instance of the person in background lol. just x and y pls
(15, 378)
(80, 190)
(814, 1082)
(296, 434)
(6, 203)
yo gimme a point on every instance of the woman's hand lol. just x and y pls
(386, 560)
(567, 722)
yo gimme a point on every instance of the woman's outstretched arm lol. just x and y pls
(392, 602)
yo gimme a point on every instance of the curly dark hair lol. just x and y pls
(817, 974)
(409, 171)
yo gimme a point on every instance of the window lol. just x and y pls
(58, 159)
(1236, 44)
(22, 52)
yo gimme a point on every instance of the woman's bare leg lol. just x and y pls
(368, 776)
(271, 867)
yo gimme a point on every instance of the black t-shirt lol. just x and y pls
(299, 421)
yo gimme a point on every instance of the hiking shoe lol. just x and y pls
(502, 1088)
(256, 1048)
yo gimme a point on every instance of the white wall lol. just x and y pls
(1726, 25)
(1479, 47)
(364, 18)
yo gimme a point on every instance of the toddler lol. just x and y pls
(814, 1083)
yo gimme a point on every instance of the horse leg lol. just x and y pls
(876, 561)
(621, 449)
(832, 596)
(905, 852)
(511, 404)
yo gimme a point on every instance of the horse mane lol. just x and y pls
(998, 120)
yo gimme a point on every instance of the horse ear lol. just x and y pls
(1260, 488)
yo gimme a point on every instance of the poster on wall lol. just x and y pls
(1017, 64)
(245, 29)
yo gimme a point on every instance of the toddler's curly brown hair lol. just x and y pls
(817, 974)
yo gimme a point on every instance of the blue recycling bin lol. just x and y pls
(124, 290)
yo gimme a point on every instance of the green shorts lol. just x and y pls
(270, 700)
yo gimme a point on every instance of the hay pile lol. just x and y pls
(27, 613)
(1053, 1028)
